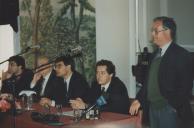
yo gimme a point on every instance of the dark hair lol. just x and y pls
(67, 60)
(19, 60)
(168, 23)
(110, 66)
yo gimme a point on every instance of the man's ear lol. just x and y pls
(20, 67)
(69, 67)
(111, 74)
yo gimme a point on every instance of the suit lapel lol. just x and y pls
(166, 57)
(109, 87)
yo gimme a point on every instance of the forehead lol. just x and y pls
(157, 24)
(59, 63)
(12, 62)
(42, 61)
(101, 68)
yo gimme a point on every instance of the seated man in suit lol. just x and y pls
(17, 77)
(74, 84)
(118, 100)
(45, 81)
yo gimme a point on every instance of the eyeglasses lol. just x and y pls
(158, 31)
(58, 66)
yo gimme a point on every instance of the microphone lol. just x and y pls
(33, 46)
(75, 50)
(23, 52)
(102, 100)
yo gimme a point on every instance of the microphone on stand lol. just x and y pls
(23, 52)
(76, 49)
(75, 52)
(32, 47)
(102, 100)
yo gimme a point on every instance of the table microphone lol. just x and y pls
(102, 100)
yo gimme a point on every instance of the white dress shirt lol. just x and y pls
(164, 48)
(105, 86)
(68, 81)
(44, 83)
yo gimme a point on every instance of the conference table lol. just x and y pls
(107, 120)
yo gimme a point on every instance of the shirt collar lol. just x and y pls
(47, 76)
(165, 47)
(68, 79)
(105, 86)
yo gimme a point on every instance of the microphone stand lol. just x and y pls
(86, 111)
(11, 83)
(23, 52)
(14, 104)
(53, 60)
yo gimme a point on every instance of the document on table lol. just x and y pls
(68, 113)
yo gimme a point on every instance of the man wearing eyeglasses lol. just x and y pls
(169, 80)
(74, 84)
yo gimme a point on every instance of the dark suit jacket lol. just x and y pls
(78, 87)
(175, 81)
(21, 83)
(51, 88)
(118, 100)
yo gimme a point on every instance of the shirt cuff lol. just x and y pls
(53, 103)
(32, 85)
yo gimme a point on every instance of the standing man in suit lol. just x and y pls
(74, 84)
(45, 82)
(17, 77)
(169, 80)
(117, 101)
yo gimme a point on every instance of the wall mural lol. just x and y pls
(58, 26)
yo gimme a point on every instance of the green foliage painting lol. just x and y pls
(59, 25)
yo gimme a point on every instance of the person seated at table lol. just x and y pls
(117, 101)
(45, 81)
(74, 84)
(17, 77)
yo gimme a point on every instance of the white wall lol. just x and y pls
(184, 17)
(153, 10)
(181, 11)
(6, 43)
(112, 34)
(6, 46)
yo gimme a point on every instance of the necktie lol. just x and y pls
(65, 84)
(102, 90)
(66, 92)
(158, 54)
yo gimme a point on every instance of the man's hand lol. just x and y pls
(6, 75)
(133, 110)
(78, 103)
(36, 77)
(45, 101)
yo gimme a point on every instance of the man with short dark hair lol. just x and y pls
(107, 82)
(17, 75)
(169, 80)
(74, 84)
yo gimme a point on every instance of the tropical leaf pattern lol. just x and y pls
(57, 26)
